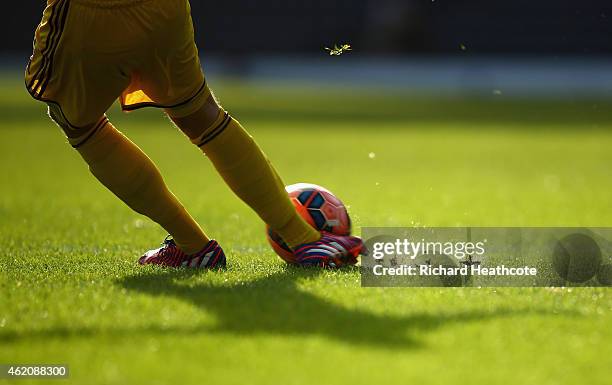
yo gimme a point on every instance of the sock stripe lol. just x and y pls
(220, 130)
(98, 126)
(198, 141)
(216, 131)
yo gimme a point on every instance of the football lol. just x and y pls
(320, 208)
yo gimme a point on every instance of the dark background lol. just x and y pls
(546, 27)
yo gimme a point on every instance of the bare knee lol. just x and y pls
(195, 124)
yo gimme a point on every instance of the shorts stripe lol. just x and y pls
(43, 64)
(63, 17)
(43, 74)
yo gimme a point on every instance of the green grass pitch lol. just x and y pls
(71, 291)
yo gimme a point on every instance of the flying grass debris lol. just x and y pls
(338, 50)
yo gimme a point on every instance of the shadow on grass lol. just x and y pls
(275, 305)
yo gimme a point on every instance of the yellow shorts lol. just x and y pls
(88, 53)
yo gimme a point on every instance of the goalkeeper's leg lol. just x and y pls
(246, 170)
(127, 172)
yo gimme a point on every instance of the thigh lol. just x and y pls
(168, 74)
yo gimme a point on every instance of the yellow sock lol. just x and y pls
(127, 171)
(248, 172)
